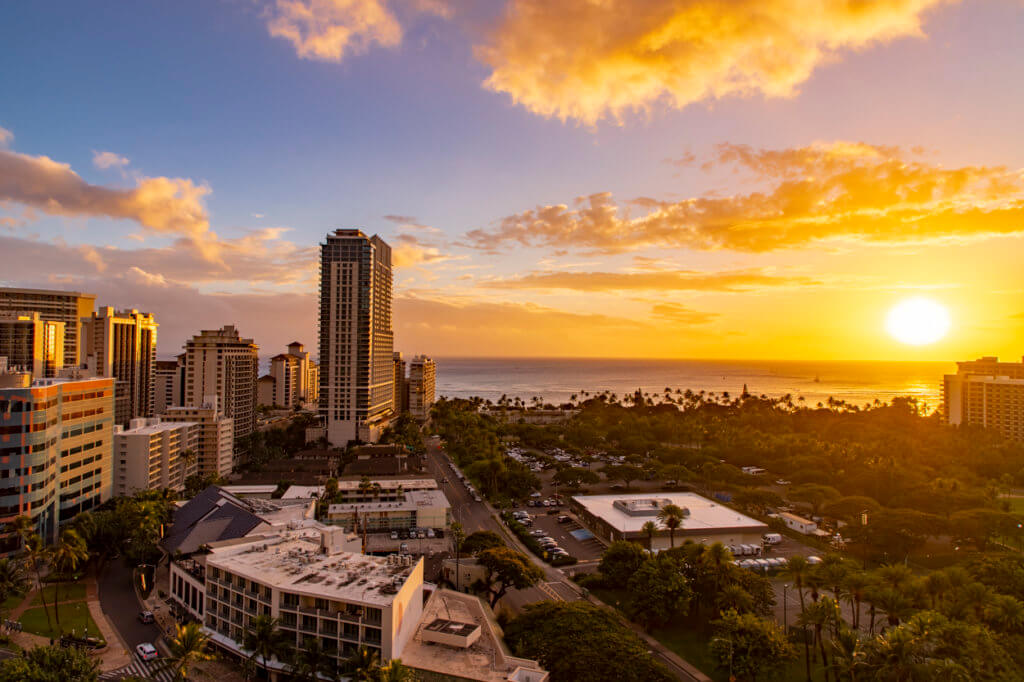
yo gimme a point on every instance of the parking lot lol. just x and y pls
(546, 519)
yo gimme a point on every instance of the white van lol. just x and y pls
(772, 538)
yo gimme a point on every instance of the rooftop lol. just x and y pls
(628, 513)
(150, 429)
(486, 659)
(413, 500)
(294, 562)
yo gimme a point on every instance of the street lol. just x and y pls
(476, 516)
(117, 598)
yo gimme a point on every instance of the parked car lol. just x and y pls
(403, 548)
(537, 533)
(564, 519)
(146, 617)
(394, 535)
(772, 538)
(147, 651)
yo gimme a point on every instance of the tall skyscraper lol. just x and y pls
(989, 393)
(68, 307)
(122, 344)
(55, 452)
(31, 344)
(401, 388)
(422, 375)
(356, 338)
(219, 362)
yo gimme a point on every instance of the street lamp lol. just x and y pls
(785, 610)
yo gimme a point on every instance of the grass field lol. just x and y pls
(74, 616)
(67, 592)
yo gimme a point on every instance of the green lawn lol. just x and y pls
(11, 602)
(67, 592)
(72, 616)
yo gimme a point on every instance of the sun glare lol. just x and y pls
(917, 321)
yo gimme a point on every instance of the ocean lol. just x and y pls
(556, 379)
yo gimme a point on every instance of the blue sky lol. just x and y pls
(200, 91)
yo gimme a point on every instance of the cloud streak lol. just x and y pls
(587, 60)
(666, 280)
(839, 191)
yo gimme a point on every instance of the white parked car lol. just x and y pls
(146, 651)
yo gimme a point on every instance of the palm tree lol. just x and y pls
(671, 516)
(458, 537)
(395, 671)
(264, 639)
(734, 597)
(847, 655)
(894, 604)
(820, 614)
(855, 587)
(649, 529)
(797, 567)
(363, 665)
(38, 555)
(718, 558)
(12, 578)
(312, 662)
(187, 648)
(66, 556)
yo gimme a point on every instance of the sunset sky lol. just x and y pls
(609, 178)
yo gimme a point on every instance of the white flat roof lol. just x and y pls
(391, 483)
(250, 489)
(705, 514)
(150, 429)
(413, 500)
(294, 563)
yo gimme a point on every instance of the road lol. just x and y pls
(117, 598)
(476, 516)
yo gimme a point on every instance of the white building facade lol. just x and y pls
(152, 454)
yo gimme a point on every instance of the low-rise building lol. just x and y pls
(315, 589)
(799, 523)
(623, 516)
(987, 393)
(458, 638)
(416, 509)
(152, 454)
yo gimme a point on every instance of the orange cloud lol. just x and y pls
(681, 314)
(587, 59)
(330, 30)
(664, 280)
(848, 191)
(164, 205)
(408, 250)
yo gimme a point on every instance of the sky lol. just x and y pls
(586, 178)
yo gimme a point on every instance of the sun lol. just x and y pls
(918, 321)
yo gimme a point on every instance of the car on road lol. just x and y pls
(146, 617)
(146, 651)
(782, 481)
(477, 498)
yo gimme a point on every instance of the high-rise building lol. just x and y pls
(32, 344)
(401, 387)
(168, 384)
(989, 393)
(356, 338)
(122, 344)
(221, 363)
(215, 445)
(422, 374)
(292, 379)
(152, 454)
(68, 307)
(55, 451)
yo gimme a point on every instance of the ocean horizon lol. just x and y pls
(557, 379)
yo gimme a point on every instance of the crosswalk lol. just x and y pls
(139, 669)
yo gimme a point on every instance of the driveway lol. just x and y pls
(120, 605)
